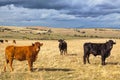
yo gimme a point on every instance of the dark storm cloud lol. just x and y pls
(9, 2)
(52, 12)
(80, 8)
(85, 8)
(35, 4)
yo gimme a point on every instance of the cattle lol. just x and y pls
(102, 49)
(22, 53)
(6, 40)
(1, 41)
(62, 47)
(14, 41)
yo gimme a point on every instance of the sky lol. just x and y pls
(60, 13)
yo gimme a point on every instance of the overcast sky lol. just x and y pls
(60, 13)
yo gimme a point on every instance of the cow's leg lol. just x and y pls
(61, 52)
(6, 62)
(84, 58)
(103, 60)
(65, 51)
(30, 63)
(88, 58)
(11, 61)
(86, 55)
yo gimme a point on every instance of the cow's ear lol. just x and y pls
(59, 40)
(33, 44)
(41, 44)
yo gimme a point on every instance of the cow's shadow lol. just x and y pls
(112, 63)
(72, 54)
(53, 69)
(109, 63)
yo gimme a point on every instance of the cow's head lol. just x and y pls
(37, 45)
(110, 43)
(60, 40)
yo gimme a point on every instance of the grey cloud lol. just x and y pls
(34, 4)
(56, 12)
(78, 8)
(13, 13)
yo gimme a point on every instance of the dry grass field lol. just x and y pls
(50, 65)
(48, 33)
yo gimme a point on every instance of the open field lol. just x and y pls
(50, 65)
(48, 33)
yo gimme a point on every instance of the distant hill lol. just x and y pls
(46, 33)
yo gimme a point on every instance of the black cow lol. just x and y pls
(102, 49)
(62, 46)
(1, 41)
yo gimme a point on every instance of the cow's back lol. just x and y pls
(22, 52)
(93, 48)
(18, 52)
(87, 45)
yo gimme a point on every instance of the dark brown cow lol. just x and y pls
(6, 40)
(1, 41)
(14, 41)
(22, 53)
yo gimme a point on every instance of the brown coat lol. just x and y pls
(22, 53)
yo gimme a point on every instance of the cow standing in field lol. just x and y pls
(102, 49)
(6, 40)
(22, 53)
(1, 41)
(14, 41)
(62, 47)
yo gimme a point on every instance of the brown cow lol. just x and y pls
(14, 41)
(6, 41)
(22, 53)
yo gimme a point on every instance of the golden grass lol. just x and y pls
(51, 66)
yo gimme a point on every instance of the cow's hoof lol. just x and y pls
(103, 64)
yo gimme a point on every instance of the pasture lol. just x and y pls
(50, 65)
(48, 33)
